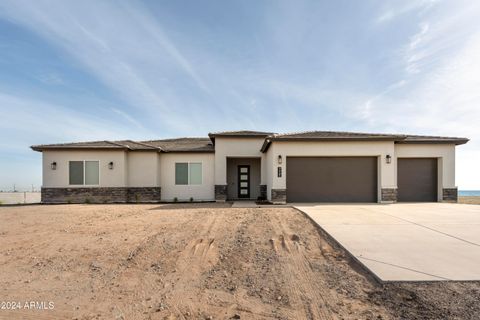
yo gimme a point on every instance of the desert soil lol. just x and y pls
(199, 261)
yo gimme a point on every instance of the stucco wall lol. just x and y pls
(386, 174)
(446, 160)
(205, 191)
(233, 147)
(60, 177)
(268, 167)
(142, 169)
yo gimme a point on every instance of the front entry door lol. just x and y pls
(244, 181)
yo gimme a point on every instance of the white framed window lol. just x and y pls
(84, 173)
(188, 173)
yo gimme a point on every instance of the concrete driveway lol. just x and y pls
(407, 242)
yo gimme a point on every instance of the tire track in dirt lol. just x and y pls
(199, 255)
(305, 290)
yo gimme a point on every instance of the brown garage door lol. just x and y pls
(417, 179)
(332, 179)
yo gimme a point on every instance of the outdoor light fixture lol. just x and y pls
(279, 159)
(388, 158)
(53, 165)
(110, 165)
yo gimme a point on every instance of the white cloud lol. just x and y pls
(440, 93)
(393, 12)
(106, 37)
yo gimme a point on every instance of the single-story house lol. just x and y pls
(316, 166)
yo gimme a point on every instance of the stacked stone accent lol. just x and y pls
(220, 192)
(279, 195)
(450, 194)
(389, 195)
(263, 192)
(143, 194)
(101, 195)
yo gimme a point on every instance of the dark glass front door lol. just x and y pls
(243, 181)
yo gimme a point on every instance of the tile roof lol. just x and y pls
(356, 136)
(207, 144)
(80, 145)
(334, 135)
(433, 139)
(166, 145)
(183, 145)
(134, 145)
(241, 133)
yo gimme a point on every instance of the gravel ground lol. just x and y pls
(198, 261)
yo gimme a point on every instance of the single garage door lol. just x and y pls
(417, 179)
(331, 179)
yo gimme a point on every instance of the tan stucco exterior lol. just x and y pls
(157, 169)
(205, 191)
(234, 147)
(445, 153)
(380, 149)
(142, 169)
(59, 178)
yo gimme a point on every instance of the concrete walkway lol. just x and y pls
(407, 242)
(245, 204)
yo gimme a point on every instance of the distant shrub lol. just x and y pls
(191, 199)
(1, 202)
(137, 197)
(88, 200)
(69, 201)
(175, 199)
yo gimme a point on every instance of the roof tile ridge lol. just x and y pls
(146, 145)
(117, 144)
(341, 132)
(295, 132)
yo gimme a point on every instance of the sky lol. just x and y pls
(101, 70)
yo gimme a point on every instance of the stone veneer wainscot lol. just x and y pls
(101, 195)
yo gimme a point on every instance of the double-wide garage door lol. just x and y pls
(331, 179)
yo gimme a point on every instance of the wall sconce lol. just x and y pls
(53, 165)
(279, 159)
(110, 165)
(388, 158)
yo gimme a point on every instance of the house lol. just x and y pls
(316, 166)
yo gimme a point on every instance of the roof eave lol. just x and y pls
(46, 148)
(188, 151)
(265, 145)
(338, 139)
(453, 141)
(233, 135)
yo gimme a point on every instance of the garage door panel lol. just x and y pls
(332, 179)
(417, 179)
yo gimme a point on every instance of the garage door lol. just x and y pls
(417, 180)
(332, 179)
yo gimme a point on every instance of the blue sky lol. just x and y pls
(96, 70)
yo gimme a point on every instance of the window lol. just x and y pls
(84, 173)
(195, 173)
(181, 173)
(76, 172)
(91, 172)
(188, 173)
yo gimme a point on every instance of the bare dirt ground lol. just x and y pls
(199, 261)
(469, 200)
